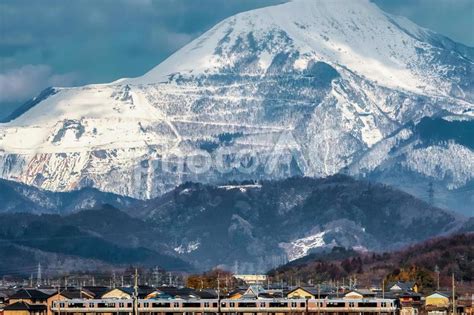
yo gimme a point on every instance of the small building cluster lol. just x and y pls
(406, 298)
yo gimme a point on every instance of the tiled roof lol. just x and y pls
(22, 306)
(29, 294)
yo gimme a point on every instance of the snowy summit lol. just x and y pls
(342, 80)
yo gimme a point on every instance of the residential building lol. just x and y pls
(252, 279)
(302, 293)
(402, 286)
(24, 308)
(437, 303)
(359, 294)
(118, 293)
(30, 296)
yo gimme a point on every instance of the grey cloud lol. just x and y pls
(25, 82)
(452, 18)
(103, 40)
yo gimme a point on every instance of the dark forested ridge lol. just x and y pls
(452, 254)
(105, 236)
(244, 227)
(18, 197)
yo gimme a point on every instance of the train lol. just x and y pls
(278, 305)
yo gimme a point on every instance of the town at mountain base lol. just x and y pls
(423, 284)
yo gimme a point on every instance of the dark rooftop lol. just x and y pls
(29, 294)
(23, 306)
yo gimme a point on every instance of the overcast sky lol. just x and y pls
(62, 43)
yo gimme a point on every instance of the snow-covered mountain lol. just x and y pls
(308, 87)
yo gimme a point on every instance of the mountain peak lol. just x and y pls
(341, 80)
(356, 35)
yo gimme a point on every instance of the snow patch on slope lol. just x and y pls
(301, 247)
(187, 248)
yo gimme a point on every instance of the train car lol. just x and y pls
(269, 306)
(92, 306)
(375, 305)
(186, 306)
(263, 306)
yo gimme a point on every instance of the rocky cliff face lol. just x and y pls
(305, 88)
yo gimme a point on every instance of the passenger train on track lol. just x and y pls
(154, 306)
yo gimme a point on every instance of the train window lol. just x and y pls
(293, 304)
(214, 304)
(191, 304)
(351, 304)
(176, 304)
(232, 304)
(247, 304)
(302, 304)
(91, 304)
(367, 304)
(206, 304)
(223, 304)
(262, 304)
(129, 304)
(336, 304)
(160, 304)
(146, 304)
(278, 304)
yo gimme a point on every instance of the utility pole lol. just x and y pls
(219, 288)
(383, 288)
(454, 295)
(135, 294)
(319, 298)
(437, 277)
(38, 276)
(218, 294)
